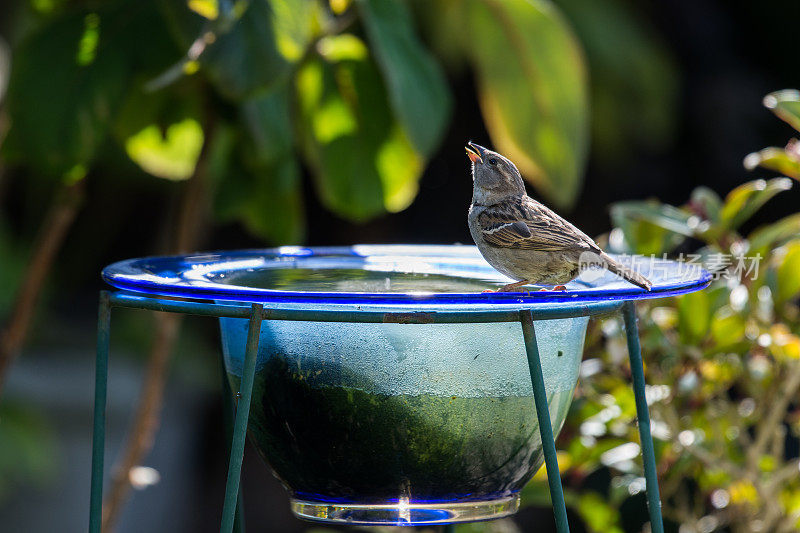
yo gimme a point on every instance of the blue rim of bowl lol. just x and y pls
(185, 276)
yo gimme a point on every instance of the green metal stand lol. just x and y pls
(545, 426)
(643, 417)
(231, 513)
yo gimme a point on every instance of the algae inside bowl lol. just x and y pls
(375, 414)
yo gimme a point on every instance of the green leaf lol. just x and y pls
(694, 313)
(417, 88)
(776, 159)
(777, 233)
(597, 514)
(248, 50)
(785, 104)
(634, 81)
(274, 210)
(268, 124)
(67, 81)
(532, 89)
(258, 174)
(788, 278)
(653, 228)
(706, 202)
(246, 58)
(362, 160)
(442, 23)
(743, 201)
(727, 327)
(274, 206)
(662, 215)
(161, 131)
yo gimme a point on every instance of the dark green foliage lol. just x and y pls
(349, 92)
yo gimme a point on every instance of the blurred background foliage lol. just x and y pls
(723, 369)
(157, 126)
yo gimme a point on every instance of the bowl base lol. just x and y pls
(405, 513)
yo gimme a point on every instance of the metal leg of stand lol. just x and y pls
(99, 426)
(643, 416)
(240, 425)
(545, 427)
(228, 417)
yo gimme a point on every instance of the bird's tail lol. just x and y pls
(625, 272)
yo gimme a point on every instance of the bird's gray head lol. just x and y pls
(493, 176)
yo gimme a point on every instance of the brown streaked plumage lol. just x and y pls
(522, 238)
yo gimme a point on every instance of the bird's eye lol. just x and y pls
(493, 161)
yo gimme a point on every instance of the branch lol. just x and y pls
(146, 421)
(787, 472)
(775, 414)
(54, 229)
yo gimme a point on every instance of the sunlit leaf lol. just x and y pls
(776, 159)
(161, 131)
(598, 515)
(532, 90)
(205, 8)
(335, 48)
(634, 81)
(362, 160)
(743, 201)
(294, 24)
(788, 278)
(339, 6)
(171, 154)
(743, 493)
(785, 345)
(785, 104)
(694, 314)
(775, 234)
(417, 88)
(727, 327)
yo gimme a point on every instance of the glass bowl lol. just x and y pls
(390, 423)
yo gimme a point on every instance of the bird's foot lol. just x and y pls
(514, 287)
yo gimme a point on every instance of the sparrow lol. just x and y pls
(524, 239)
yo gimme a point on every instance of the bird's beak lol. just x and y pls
(475, 152)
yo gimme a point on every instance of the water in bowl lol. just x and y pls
(355, 280)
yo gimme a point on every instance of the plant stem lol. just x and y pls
(54, 229)
(148, 410)
(776, 414)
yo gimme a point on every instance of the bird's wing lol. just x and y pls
(521, 222)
